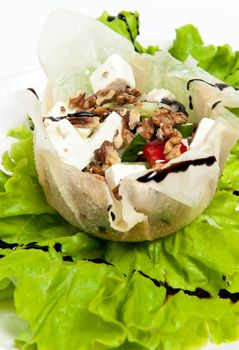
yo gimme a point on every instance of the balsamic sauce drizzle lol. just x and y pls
(191, 102)
(112, 215)
(220, 86)
(122, 17)
(36, 246)
(11, 246)
(33, 91)
(110, 18)
(73, 115)
(160, 174)
(31, 245)
(198, 292)
(215, 104)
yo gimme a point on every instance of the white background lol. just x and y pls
(21, 22)
(20, 26)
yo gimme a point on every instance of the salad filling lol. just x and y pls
(153, 128)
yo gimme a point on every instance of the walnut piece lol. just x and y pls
(146, 129)
(102, 112)
(134, 118)
(166, 116)
(124, 98)
(175, 152)
(173, 145)
(106, 154)
(118, 139)
(77, 101)
(90, 102)
(104, 96)
(127, 135)
(133, 91)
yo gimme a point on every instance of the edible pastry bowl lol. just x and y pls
(151, 203)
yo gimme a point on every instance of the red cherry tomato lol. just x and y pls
(153, 151)
(183, 148)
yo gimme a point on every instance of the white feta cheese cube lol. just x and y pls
(66, 141)
(115, 72)
(74, 149)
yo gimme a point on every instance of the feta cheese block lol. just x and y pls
(72, 148)
(115, 73)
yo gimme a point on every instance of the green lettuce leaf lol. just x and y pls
(25, 215)
(93, 306)
(127, 24)
(220, 61)
(130, 154)
(21, 193)
(230, 180)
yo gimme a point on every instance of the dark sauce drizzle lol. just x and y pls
(215, 104)
(73, 115)
(198, 292)
(33, 91)
(34, 245)
(99, 261)
(191, 102)
(176, 168)
(11, 246)
(31, 245)
(110, 18)
(224, 294)
(58, 247)
(112, 215)
(68, 258)
(123, 18)
(220, 86)
(81, 114)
